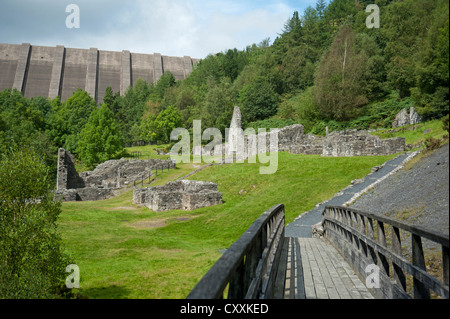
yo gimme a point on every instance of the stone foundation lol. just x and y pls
(338, 144)
(179, 195)
(119, 173)
(356, 143)
(294, 140)
(104, 181)
(86, 194)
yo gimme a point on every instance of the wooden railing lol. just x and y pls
(168, 166)
(249, 267)
(363, 240)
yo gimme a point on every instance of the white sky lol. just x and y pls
(171, 27)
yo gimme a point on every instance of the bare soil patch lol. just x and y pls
(125, 208)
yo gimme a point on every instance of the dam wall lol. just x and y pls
(59, 71)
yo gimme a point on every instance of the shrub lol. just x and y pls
(445, 124)
(432, 144)
(32, 262)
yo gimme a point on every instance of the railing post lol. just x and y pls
(355, 225)
(347, 222)
(251, 262)
(362, 230)
(382, 242)
(362, 224)
(371, 235)
(264, 236)
(445, 270)
(399, 276)
(420, 292)
(235, 290)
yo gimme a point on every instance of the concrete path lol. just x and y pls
(302, 226)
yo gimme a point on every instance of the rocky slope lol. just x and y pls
(418, 195)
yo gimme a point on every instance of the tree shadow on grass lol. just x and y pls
(110, 292)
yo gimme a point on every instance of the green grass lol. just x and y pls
(415, 134)
(125, 251)
(148, 151)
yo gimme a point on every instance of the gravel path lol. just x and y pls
(418, 195)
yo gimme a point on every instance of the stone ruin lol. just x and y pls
(179, 195)
(102, 183)
(109, 177)
(406, 118)
(336, 144)
(293, 139)
(360, 143)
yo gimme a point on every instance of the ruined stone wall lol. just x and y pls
(348, 143)
(179, 195)
(292, 139)
(308, 144)
(354, 143)
(406, 118)
(85, 194)
(103, 182)
(67, 176)
(117, 173)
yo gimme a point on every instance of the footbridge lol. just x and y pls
(358, 255)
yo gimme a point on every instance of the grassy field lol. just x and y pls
(415, 134)
(125, 251)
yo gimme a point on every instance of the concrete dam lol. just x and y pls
(59, 71)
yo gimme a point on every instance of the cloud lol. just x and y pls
(176, 27)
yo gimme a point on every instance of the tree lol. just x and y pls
(100, 139)
(159, 128)
(166, 81)
(32, 262)
(339, 82)
(301, 108)
(405, 26)
(338, 11)
(431, 95)
(167, 121)
(22, 124)
(259, 100)
(67, 120)
(41, 104)
(232, 63)
(293, 24)
(131, 108)
(218, 105)
(148, 128)
(109, 98)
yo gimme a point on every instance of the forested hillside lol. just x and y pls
(326, 68)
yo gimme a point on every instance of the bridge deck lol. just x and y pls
(310, 268)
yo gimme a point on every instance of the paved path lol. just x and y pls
(301, 227)
(315, 270)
